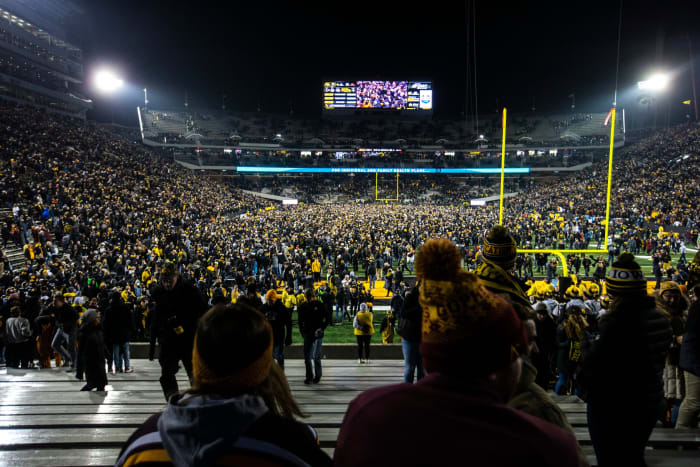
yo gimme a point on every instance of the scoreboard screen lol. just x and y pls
(402, 95)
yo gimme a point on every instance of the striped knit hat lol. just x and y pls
(625, 277)
(499, 247)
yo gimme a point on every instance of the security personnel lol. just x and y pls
(178, 307)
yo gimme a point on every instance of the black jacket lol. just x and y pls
(280, 319)
(91, 355)
(690, 348)
(411, 317)
(628, 357)
(118, 322)
(66, 316)
(176, 313)
(312, 316)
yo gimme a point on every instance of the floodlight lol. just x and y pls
(106, 81)
(657, 82)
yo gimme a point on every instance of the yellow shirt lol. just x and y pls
(289, 300)
(364, 318)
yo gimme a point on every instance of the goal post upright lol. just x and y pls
(561, 253)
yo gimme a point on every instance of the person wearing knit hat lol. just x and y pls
(280, 319)
(239, 411)
(471, 345)
(625, 277)
(631, 327)
(497, 263)
(91, 354)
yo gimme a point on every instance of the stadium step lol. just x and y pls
(46, 421)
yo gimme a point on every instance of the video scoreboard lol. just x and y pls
(401, 95)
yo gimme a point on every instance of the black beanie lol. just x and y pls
(499, 247)
(625, 276)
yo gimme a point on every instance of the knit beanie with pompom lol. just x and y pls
(467, 330)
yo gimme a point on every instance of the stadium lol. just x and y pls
(531, 275)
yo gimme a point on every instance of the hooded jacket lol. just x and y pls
(690, 348)
(204, 430)
(532, 399)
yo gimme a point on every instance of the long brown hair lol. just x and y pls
(229, 339)
(574, 325)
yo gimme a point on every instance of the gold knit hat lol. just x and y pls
(466, 329)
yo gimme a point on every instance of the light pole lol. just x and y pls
(145, 99)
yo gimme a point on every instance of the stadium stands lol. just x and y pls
(88, 210)
(217, 127)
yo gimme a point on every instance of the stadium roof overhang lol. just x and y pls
(570, 136)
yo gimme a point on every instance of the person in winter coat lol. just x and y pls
(571, 334)
(544, 359)
(363, 330)
(313, 321)
(409, 328)
(387, 328)
(46, 325)
(67, 323)
(18, 334)
(689, 362)
(471, 345)
(630, 351)
(671, 302)
(529, 397)
(240, 410)
(119, 326)
(91, 352)
(178, 307)
(280, 319)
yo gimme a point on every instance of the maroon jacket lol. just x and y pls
(439, 421)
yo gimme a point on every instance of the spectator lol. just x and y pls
(689, 362)
(571, 337)
(64, 340)
(313, 321)
(409, 328)
(671, 302)
(119, 326)
(239, 411)
(387, 327)
(280, 319)
(363, 329)
(630, 352)
(19, 333)
(91, 356)
(178, 307)
(46, 325)
(530, 397)
(471, 346)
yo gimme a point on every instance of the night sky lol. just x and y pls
(274, 56)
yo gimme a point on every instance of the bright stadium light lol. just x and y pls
(657, 82)
(107, 82)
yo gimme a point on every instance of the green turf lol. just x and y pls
(343, 333)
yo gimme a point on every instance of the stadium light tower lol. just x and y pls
(107, 82)
(657, 82)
